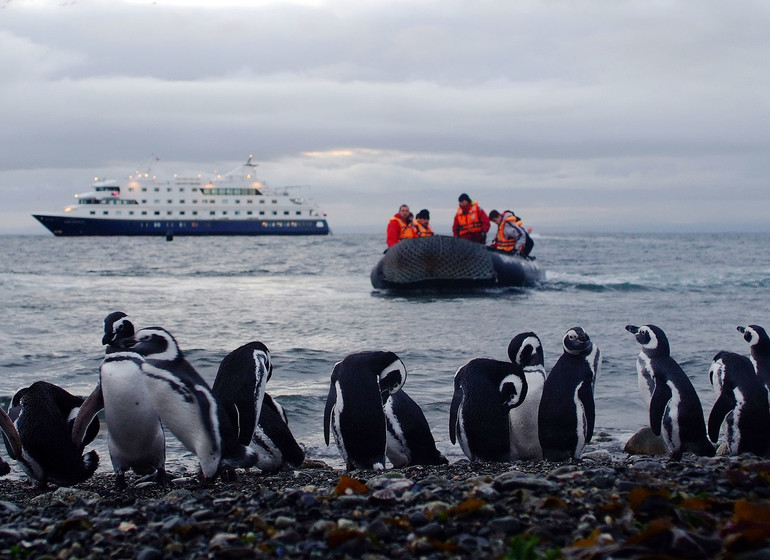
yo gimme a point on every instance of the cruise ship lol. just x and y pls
(235, 203)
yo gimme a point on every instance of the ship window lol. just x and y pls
(261, 212)
(169, 201)
(157, 201)
(104, 212)
(168, 213)
(224, 212)
(285, 212)
(156, 189)
(298, 213)
(181, 201)
(156, 213)
(144, 189)
(194, 212)
(237, 213)
(181, 212)
(92, 212)
(249, 212)
(249, 201)
(144, 212)
(168, 189)
(261, 200)
(144, 201)
(130, 212)
(273, 201)
(181, 189)
(237, 201)
(275, 213)
(195, 201)
(212, 213)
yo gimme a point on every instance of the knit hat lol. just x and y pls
(423, 214)
(464, 197)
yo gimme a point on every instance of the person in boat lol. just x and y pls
(511, 236)
(422, 224)
(399, 226)
(471, 222)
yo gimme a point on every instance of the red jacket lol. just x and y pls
(478, 229)
(398, 230)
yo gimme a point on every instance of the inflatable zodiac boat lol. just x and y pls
(443, 262)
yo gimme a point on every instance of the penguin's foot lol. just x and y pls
(162, 478)
(120, 481)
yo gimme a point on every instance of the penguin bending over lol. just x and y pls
(759, 343)
(185, 404)
(136, 439)
(526, 352)
(39, 437)
(484, 392)
(409, 439)
(675, 409)
(359, 387)
(741, 405)
(567, 412)
(273, 441)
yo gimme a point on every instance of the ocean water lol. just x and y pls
(311, 302)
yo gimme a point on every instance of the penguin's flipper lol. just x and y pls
(586, 396)
(331, 401)
(722, 406)
(88, 411)
(453, 409)
(658, 403)
(11, 436)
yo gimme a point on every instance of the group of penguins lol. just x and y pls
(500, 411)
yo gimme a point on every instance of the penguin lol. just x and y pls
(39, 436)
(675, 409)
(239, 386)
(273, 441)
(759, 344)
(409, 439)
(526, 352)
(741, 405)
(12, 441)
(359, 387)
(484, 392)
(567, 413)
(136, 439)
(185, 404)
(117, 326)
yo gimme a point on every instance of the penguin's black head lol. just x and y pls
(755, 336)
(651, 337)
(576, 341)
(154, 343)
(392, 374)
(117, 326)
(525, 349)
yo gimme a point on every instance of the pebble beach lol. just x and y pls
(606, 505)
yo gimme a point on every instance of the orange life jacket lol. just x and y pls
(405, 231)
(470, 222)
(504, 243)
(422, 231)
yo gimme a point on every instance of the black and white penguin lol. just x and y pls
(741, 405)
(239, 386)
(526, 352)
(674, 407)
(359, 387)
(12, 441)
(409, 439)
(273, 441)
(42, 416)
(185, 403)
(485, 390)
(567, 413)
(136, 439)
(759, 344)
(117, 326)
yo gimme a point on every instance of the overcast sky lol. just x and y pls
(577, 114)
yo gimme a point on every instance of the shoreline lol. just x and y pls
(605, 505)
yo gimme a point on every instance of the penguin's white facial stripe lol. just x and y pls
(392, 378)
(156, 344)
(649, 340)
(530, 343)
(514, 386)
(717, 375)
(263, 366)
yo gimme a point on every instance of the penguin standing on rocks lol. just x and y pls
(260, 422)
(485, 390)
(273, 441)
(409, 439)
(39, 437)
(675, 409)
(741, 405)
(567, 413)
(186, 405)
(360, 385)
(759, 343)
(526, 352)
(136, 440)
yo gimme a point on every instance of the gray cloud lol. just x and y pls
(634, 114)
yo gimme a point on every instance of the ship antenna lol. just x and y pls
(249, 163)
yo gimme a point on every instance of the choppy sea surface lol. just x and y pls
(311, 302)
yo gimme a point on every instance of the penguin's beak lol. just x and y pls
(741, 329)
(106, 339)
(633, 329)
